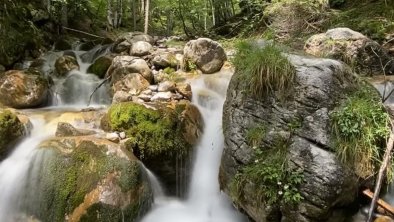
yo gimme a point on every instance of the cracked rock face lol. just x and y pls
(320, 85)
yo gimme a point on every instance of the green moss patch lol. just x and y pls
(10, 129)
(68, 177)
(360, 129)
(152, 132)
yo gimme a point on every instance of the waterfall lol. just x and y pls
(205, 201)
(14, 170)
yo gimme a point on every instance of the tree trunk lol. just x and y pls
(146, 26)
(63, 15)
(110, 18)
(133, 5)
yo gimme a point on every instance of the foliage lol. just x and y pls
(263, 69)
(374, 19)
(273, 180)
(360, 128)
(152, 132)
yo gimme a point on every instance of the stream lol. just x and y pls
(204, 201)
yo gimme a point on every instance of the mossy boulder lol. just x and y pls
(11, 129)
(23, 89)
(160, 136)
(88, 179)
(101, 65)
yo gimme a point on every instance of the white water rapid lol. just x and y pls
(205, 202)
(14, 170)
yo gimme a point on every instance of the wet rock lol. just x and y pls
(132, 83)
(88, 179)
(206, 54)
(65, 64)
(162, 96)
(22, 89)
(159, 136)
(328, 186)
(11, 129)
(66, 129)
(122, 47)
(101, 65)
(154, 88)
(353, 48)
(185, 90)
(164, 60)
(166, 86)
(122, 96)
(123, 65)
(133, 37)
(113, 137)
(99, 50)
(141, 48)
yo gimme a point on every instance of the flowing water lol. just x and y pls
(20, 168)
(14, 169)
(205, 202)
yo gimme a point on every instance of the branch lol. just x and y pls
(86, 33)
(97, 87)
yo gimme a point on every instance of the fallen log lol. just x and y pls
(383, 204)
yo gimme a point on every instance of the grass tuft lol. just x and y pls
(360, 128)
(264, 70)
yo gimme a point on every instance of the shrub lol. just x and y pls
(263, 70)
(360, 128)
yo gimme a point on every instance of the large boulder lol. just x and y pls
(141, 48)
(132, 83)
(11, 129)
(206, 54)
(64, 64)
(125, 41)
(278, 162)
(164, 60)
(87, 179)
(22, 89)
(351, 47)
(160, 136)
(100, 65)
(123, 65)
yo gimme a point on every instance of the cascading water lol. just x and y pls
(14, 169)
(205, 202)
(21, 167)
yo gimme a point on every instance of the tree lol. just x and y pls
(146, 25)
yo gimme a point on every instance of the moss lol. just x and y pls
(360, 129)
(68, 177)
(100, 66)
(153, 132)
(10, 129)
(263, 70)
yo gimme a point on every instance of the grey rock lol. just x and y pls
(140, 48)
(123, 65)
(66, 129)
(207, 54)
(329, 186)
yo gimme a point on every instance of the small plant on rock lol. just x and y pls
(263, 70)
(360, 128)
